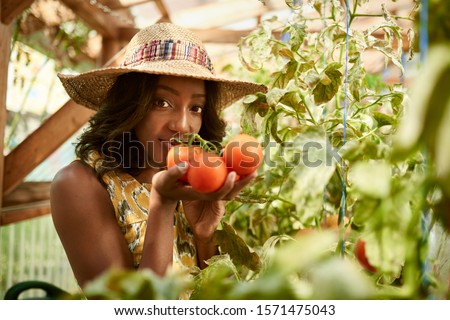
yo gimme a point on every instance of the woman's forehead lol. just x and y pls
(181, 84)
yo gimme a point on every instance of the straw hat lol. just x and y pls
(163, 49)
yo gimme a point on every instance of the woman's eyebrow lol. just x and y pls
(176, 92)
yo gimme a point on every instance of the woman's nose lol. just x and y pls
(180, 122)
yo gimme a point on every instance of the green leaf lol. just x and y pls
(282, 78)
(216, 280)
(230, 242)
(286, 53)
(274, 128)
(298, 33)
(293, 4)
(338, 278)
(274, 96)
(298, 256)
(254, 49)
(371, 179)
(442, 151)
(249, 99)
(386, 46)
(248, 122)
(383, 47)
(383, 119)
(118, 284)
(325, 92)
(312, 78)
(294, 100)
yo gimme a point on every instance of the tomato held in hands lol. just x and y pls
(207, 173)
(243, 154)
(181, 153)
(360, 254)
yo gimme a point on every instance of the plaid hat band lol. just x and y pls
(164, 50)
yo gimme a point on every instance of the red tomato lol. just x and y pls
(243, 154)
(331, 222)
(360, 254)
(180, 153)
(208, 173)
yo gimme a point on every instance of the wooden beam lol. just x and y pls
(20, 213)
(28, 192)
(109, 48)
(10, 9)
(5, 41)
(162, 8)
(43, 142)
(105, 24)
(124, 4)
(218, 14)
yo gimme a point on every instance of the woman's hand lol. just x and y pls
(202, 210)
(166, 184)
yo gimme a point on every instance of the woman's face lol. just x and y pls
(177, 109)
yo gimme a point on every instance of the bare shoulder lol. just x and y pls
(76, 188)
(76, 176)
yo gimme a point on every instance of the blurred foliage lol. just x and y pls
(438, 21)
(67, 43)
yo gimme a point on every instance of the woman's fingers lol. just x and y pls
(231, 188)
(240, 184)
(177, 171)
(168, 185)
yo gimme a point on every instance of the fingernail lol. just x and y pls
(182, 166)
(233, 175)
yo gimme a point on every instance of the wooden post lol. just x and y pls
(110, 46)
(42, 142)
(5, 42)
(10, 9)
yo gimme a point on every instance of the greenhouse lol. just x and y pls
(225, 150)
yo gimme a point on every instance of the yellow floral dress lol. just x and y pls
(130, 199)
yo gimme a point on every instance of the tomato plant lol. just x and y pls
(243, 154)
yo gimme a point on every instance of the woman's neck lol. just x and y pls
(146, 175)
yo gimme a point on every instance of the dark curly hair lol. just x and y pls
(110, 132)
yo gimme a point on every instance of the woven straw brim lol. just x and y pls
(91, 88)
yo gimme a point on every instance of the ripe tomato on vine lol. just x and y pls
(360, 254)
(243, 154)
(182, 153)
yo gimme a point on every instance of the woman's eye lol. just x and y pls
(161, 103)
(197, 109)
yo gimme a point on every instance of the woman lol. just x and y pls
(117, 205)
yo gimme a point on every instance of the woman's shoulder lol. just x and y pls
(75, 170)
(77, 176)
(76, 189)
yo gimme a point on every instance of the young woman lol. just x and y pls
(117, 205)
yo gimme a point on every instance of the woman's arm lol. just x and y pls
(158, 244)
(86, 224)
